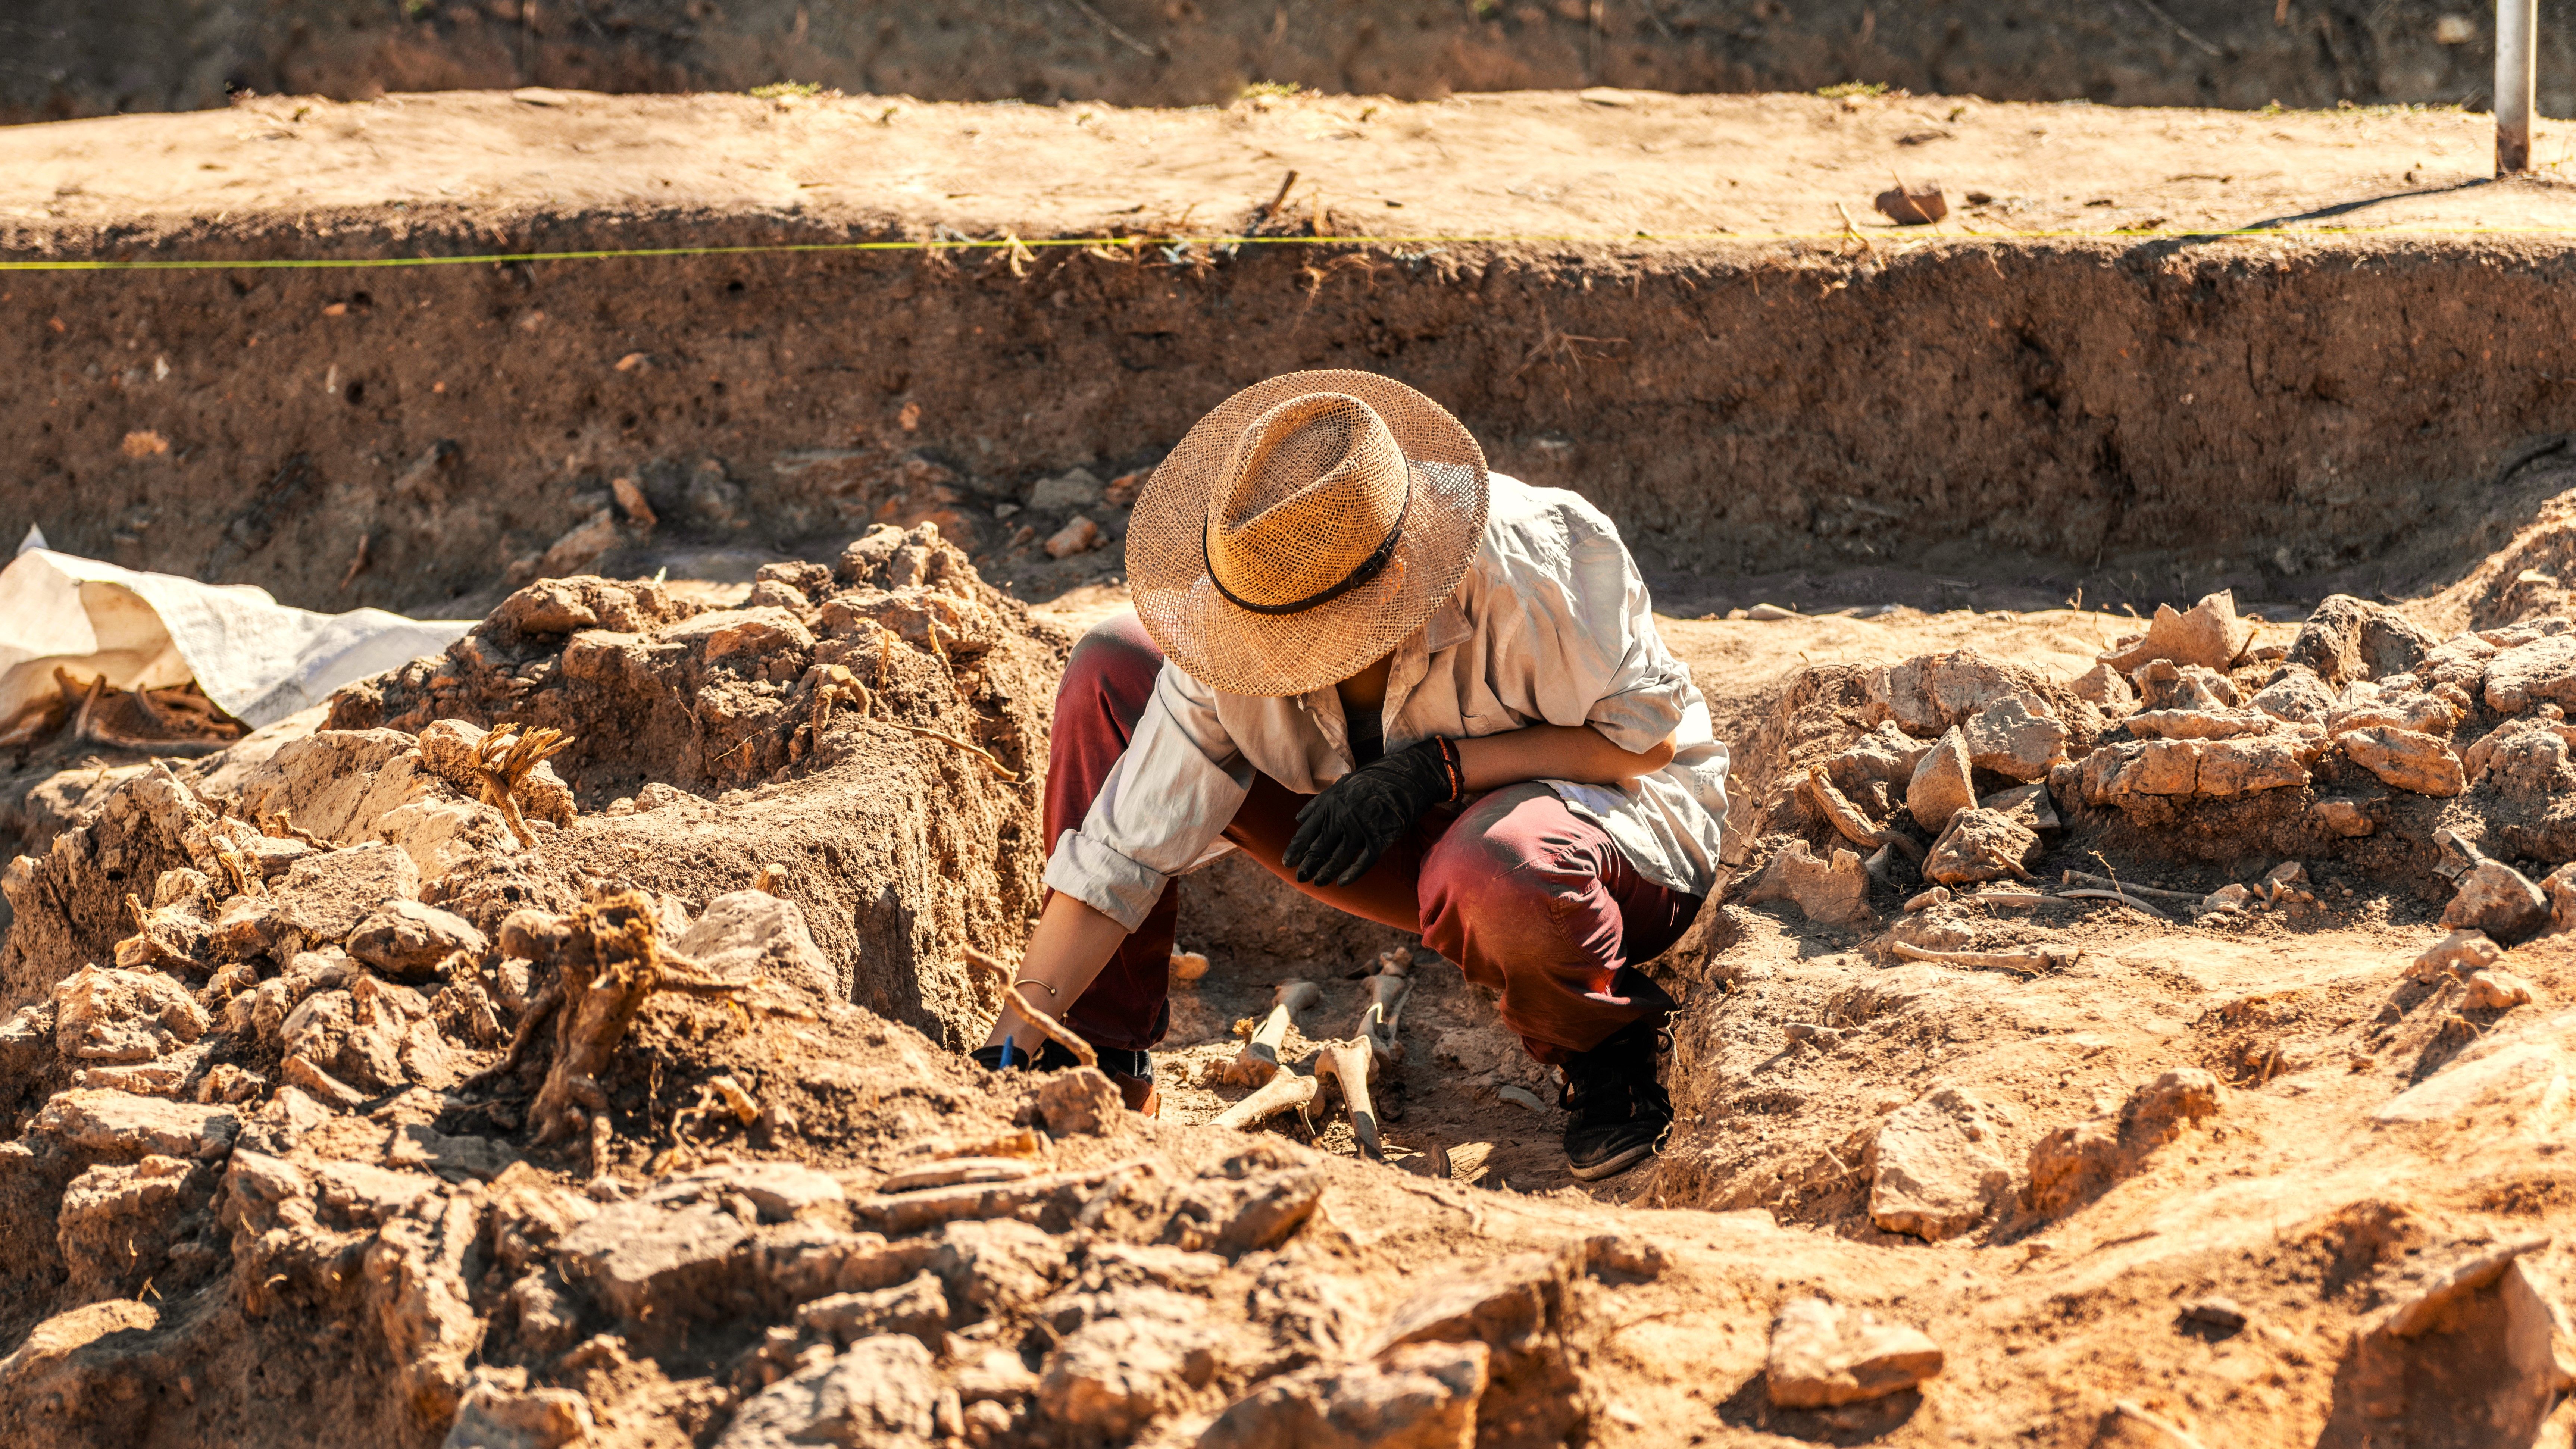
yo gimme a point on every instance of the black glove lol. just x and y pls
(1343, 831)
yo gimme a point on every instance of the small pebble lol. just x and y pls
(2497, 990)
(2229, 897)
(1769, 613)
(2224, 1314)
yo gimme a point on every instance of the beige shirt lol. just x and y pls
(1550, 625)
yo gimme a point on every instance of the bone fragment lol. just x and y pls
(1845, 817)
(1283, 1091)
(1938, 895)
(1387, 995)
(1348, 1063)
(2029, 963)
(956, 1171)
(1395, 961)
(1259, 1059)
(1022, 1143)
(770, 879)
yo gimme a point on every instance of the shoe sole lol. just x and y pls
(1612, 1166)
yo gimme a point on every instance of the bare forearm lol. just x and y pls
(1072, 942)
(1554, 752)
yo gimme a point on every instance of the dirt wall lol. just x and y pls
(2146, 420)
(61, 58)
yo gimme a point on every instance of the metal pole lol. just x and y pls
(2516, 23)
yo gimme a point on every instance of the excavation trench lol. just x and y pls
(867, 708)
(2146, 421)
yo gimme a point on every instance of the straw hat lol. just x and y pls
(1302, 529)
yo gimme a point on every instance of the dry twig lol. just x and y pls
(1005, 773)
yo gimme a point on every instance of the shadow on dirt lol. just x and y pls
(1750, 1407)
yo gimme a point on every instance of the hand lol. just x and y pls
(1343, 831)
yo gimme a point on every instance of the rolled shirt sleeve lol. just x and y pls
(1595, 655)
(1162, 808)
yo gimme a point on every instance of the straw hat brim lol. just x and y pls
(1238, 651)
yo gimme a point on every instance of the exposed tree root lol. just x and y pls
(608, 963)
(503, 758)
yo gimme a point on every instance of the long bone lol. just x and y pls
(1259, 1060)
(1348, 1063)
(1284, 1090)
(1387, 995)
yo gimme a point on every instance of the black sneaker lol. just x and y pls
(1051, 1057)
(1617, 1113)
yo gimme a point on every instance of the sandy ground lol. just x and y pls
(1609, 165)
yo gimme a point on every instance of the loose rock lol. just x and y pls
(1940, 787)
(2497, 899)
(751, 934)
(2210, 635)
(408, 941)
(2405, 759)
(1416, 1396)
(2016, 738)
(1080, 1101)
(2344, 816)
(107, 1015)
(1834, 894)
(2458, 953)
(1079, 536)
(881, 1394)
(1981, 845)
(2496, 989)
(2298, 695)
(1113, 1376)
(1823, 1354)
(1937, 1169)
(2348, 638)
(2223, 1314)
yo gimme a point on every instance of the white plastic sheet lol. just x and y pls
(256, 657)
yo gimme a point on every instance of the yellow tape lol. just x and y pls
(199, 264)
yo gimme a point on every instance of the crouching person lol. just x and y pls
(1426, 694)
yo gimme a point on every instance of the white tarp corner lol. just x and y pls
(257, 658)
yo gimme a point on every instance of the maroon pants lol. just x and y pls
(1528, 898)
